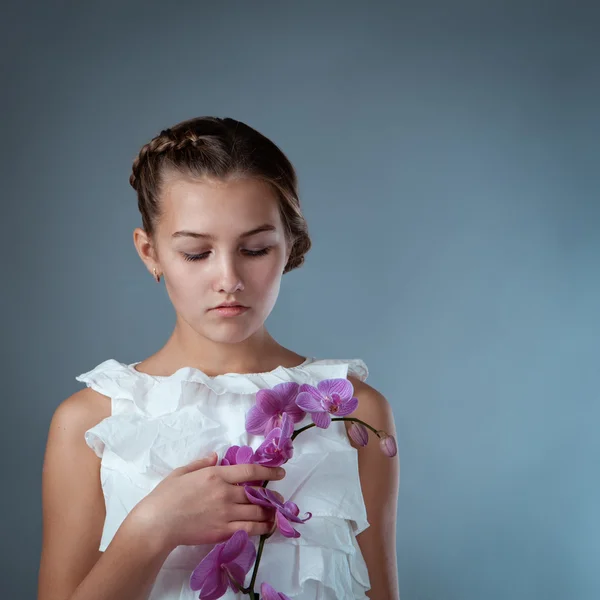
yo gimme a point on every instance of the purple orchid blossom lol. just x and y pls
(271, 404)
(226, 565)
(330, 397)
(277, 447)
(240, 455)
(286, 512)
(267, 592)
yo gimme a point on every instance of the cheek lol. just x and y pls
(267, 273)
(265, 279)
(186, 282)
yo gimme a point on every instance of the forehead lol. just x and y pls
(222, 208)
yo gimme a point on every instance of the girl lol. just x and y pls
(134, 492)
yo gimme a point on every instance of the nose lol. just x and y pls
(228, 277)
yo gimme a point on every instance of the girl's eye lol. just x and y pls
(204, 255)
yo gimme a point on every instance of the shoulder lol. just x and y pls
(80, 412)
(373, 406)
(73, 509)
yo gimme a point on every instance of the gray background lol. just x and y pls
(448, 160)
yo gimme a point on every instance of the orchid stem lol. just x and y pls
(299, 431)
(261, 544)
(250, 589)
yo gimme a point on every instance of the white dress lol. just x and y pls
(159, 423)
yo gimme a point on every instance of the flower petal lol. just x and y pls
(287, 426)
(272, 435)
(291, 508)
(286, 392)
(256, 496)
(286, 449)
(321, 419)
(229, 458)
(244, 455)
(268, 592)
(238, 573)
(215, 586)
(284, 526)
(209, 564)
(272, 498)
(292, 515)
(234, 545)
(269, 460)
(295, 412)
(273, 422)
(247, 557)
(308, 403)
(347, 407)
(310, 389)
(256, 420)
(340, 386)
(268, 401)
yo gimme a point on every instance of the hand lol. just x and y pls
(200, 503)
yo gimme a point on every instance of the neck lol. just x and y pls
(259, 353)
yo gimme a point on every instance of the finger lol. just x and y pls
(252, 512)
(242, 473)
(238, 494)
(251, 527)
(206, 461)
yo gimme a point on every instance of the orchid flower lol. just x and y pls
(226, 565)
(277, 447)
(331, 397)
(271, 404)
(286, 512)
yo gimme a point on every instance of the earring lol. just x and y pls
(156, 275)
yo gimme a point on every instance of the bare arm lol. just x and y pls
(379, 478)
(198, 503)
(71, 566)
(127, 569)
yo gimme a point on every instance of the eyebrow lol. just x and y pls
(208, 236)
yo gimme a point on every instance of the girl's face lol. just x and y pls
(221, 241)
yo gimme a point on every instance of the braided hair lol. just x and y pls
(219, 148)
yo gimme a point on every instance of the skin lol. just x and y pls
(202, 338)
(215, 345)
(380, 481)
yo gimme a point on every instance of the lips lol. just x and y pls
(230, 306)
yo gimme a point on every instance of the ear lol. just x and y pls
(146, 250)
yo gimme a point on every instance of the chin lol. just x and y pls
(228, 333)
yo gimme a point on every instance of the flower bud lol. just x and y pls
(388, 446)
(359, 434)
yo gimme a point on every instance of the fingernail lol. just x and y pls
(281, 472)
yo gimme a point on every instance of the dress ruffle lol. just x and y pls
(161, 423)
